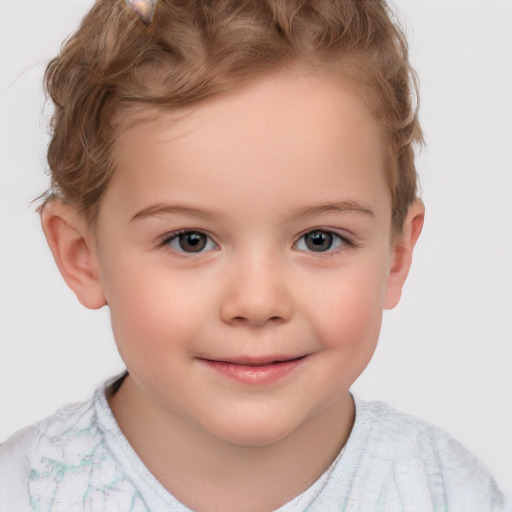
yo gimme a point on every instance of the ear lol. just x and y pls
(403, 248)
(73, 247)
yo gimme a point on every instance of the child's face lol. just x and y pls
(287, 257)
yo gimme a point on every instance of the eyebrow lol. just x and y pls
(338, 207)
(160, 209)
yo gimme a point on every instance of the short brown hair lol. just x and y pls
(194, 49)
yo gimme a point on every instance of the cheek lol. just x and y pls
(348, 311)
(152, 312)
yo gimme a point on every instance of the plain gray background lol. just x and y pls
(445, 353)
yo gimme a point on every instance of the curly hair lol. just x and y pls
(195, 49)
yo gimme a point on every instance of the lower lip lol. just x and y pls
(255, 375)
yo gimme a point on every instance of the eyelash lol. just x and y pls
(343, 241)
(166, 242)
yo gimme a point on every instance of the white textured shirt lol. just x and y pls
(79, 460)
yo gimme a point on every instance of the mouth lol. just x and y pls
(258, 362)
(256, 371)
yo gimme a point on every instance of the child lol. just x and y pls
(236, 181)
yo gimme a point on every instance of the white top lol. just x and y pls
(79, 460)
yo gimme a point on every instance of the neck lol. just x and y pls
(206, 473)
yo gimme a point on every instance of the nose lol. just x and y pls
(256, 293)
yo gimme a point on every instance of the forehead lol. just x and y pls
(293, 132)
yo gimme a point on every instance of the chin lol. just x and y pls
(255, 438)
(255, 430)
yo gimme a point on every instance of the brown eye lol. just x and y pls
(191, 242)
(318, 241)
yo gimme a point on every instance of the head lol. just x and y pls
(236, 181)
(115, 70)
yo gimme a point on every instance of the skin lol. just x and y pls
(256, 170)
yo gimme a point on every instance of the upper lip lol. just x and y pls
(255, 361)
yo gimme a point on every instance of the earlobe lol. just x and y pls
(74, 251)
(402, 253)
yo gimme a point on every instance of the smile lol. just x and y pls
(255, 372)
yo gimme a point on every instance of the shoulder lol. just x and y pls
(422, 455)
(76, 459)
(15, 469)
(36, 456)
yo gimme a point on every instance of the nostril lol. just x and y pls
(276, 320)
(257, 321)
(256, 309)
